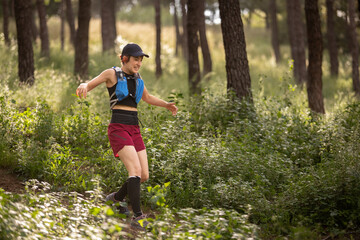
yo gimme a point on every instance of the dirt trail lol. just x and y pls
(10, 182)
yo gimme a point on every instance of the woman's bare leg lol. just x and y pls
(142, 155)
(129, 157)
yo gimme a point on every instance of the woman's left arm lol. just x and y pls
(150, 99)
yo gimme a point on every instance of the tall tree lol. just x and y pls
(62, 26)
(331, 38)
(193, 45)
(354, 46)
(12, 8)
(158, 38)
(108, 24)
(5, 7)
(314, 81)
(34, 30)
(70, 20)
(177, 30)
(44, 36)
(237, 65)
(203, 39)
(297, 39)
(82, 39)
(184, 25)
(274, 30)
(23, 14)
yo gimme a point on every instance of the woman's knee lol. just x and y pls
(144, 176)
(136, 171)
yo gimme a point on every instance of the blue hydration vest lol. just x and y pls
(122, 90)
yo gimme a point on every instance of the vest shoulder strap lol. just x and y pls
(119, 73)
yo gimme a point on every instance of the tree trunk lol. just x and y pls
(62, 27)
(82, 39)
(274, 30)
(267, 21)
(107, 25)
(177, 31)
(193, 45)
(23, 15)
(44, 36)
(70, 20)
(297, 39)
(34, 30)
(185, 32)
(314, 83)
(113, 21)
(5, 7)
(158, 38)
(203, 39)
(237, 66)
(354, 47)
(249, 18)
(12, 8)
(331, 38)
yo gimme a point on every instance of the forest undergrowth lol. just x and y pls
(220, 169)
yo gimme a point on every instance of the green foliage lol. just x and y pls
(297, 172)
(38, 214)
(189, 223)
(157, 194)
(220, 169)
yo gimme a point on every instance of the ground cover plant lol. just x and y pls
(220, 169)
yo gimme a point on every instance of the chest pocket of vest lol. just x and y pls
(122, 90)
(139, 89)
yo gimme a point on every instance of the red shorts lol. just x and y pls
(121, 135)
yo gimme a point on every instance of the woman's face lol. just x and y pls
(133, 65)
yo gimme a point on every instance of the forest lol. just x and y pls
(265, 143)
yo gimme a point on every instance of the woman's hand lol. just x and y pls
(82, 90)
(171, 106)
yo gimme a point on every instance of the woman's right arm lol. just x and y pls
(106, 76)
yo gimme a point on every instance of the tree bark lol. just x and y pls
(23, 15)
(34, 30)
(177, 30)
(203, 39)
(158, 72)
(5, 7)
(354, 47)
(70, 20)
(113, 21)
(331, 38)
(274, 30)
(185, 32)
(237, 66)
(82, 39)
(314, 83)
(193, 45)
(44, 36)
(108, 25)
(62, 27)
(297, 40)
(12, 8)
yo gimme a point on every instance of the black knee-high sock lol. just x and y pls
(120, 195)
(133, 189)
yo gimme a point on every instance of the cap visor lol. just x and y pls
(138, 54)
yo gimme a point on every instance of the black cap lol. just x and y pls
(132, 49)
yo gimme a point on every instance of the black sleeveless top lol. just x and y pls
(128, 101)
